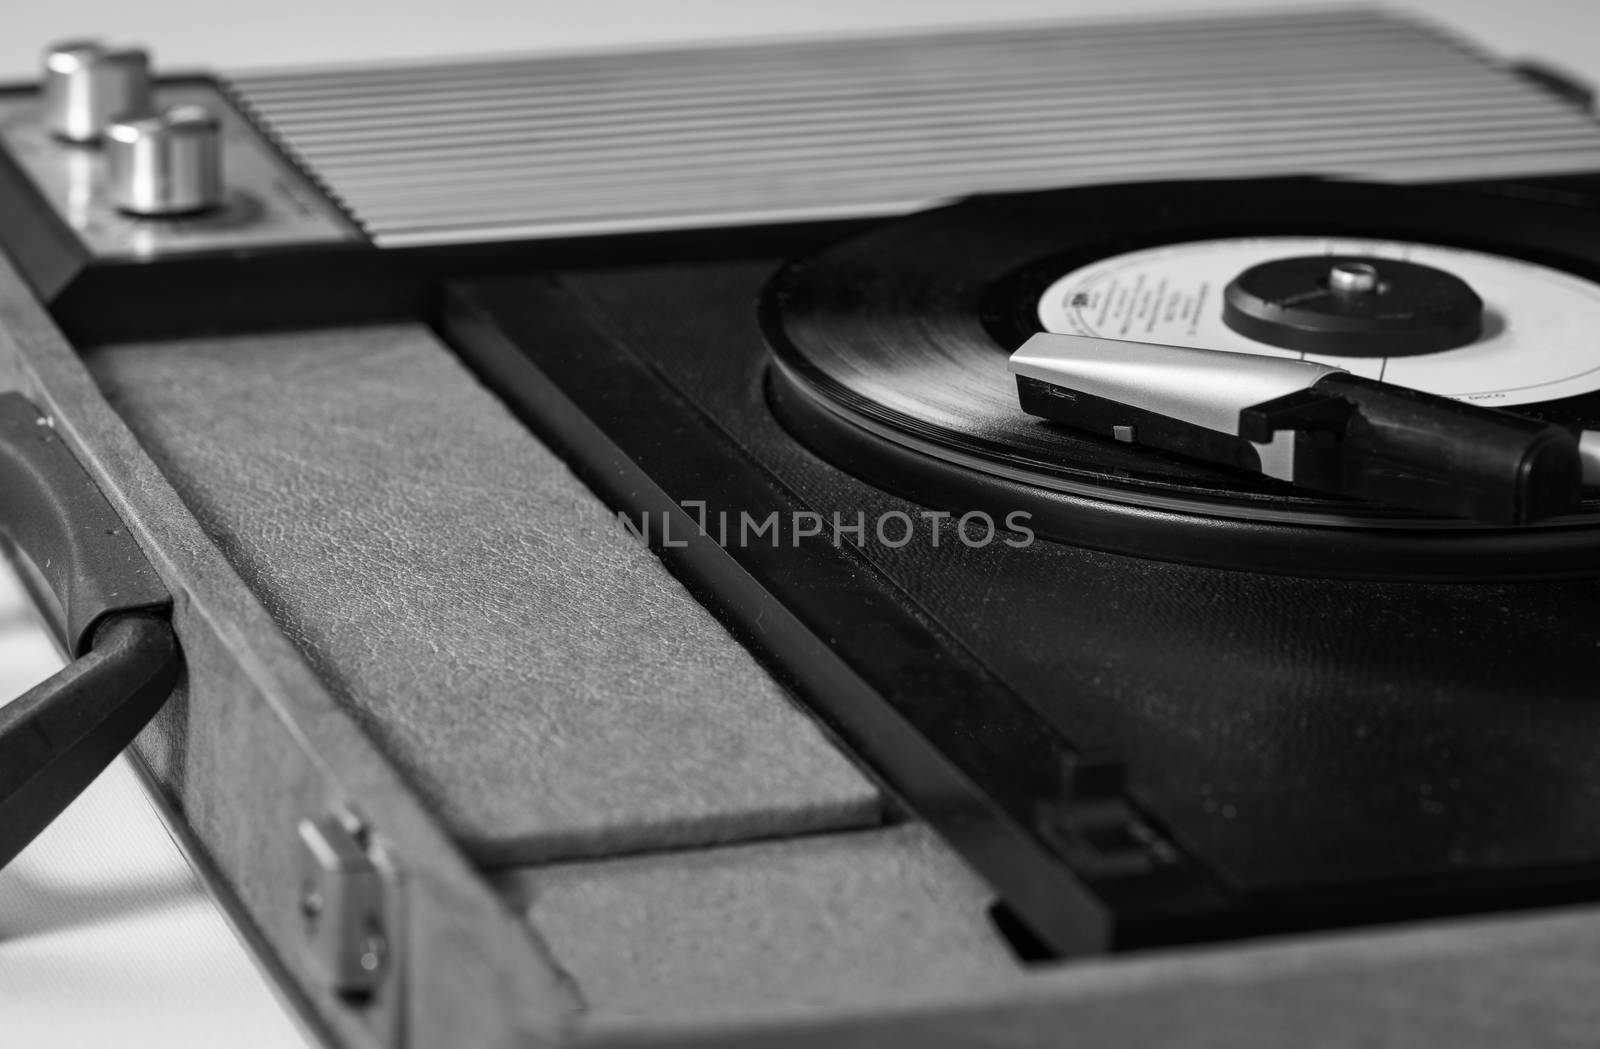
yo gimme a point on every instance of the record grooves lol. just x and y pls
(891, 347)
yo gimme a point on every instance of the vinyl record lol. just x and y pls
(891, 349)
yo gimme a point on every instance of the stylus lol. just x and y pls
(1313, 425)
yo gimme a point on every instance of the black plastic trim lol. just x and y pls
(107, 607)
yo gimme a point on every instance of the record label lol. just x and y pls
(1538, 323)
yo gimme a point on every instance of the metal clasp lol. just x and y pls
(343, 906)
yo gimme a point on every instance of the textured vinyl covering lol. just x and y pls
(550, 689)
(541, 147)
(816, 922)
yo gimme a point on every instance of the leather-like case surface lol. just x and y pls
(550, 689)
(816, 922)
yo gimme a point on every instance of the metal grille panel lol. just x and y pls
(565, 145)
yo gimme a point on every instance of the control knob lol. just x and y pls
(87, 85)
(166, 163)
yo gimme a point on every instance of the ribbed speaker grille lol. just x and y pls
(555, 146)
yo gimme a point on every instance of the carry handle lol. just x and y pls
(108, 609)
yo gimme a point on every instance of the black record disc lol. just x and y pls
(891, 351)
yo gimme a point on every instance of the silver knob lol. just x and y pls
(88, 85)
(169, 163)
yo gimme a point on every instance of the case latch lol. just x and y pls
(344, 907)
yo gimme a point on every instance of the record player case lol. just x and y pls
(576, 808)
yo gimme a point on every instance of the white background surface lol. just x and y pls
(232, 35)
(105, 936)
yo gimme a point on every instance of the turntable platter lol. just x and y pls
(891, 350)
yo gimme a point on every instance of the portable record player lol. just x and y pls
(629, 588)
